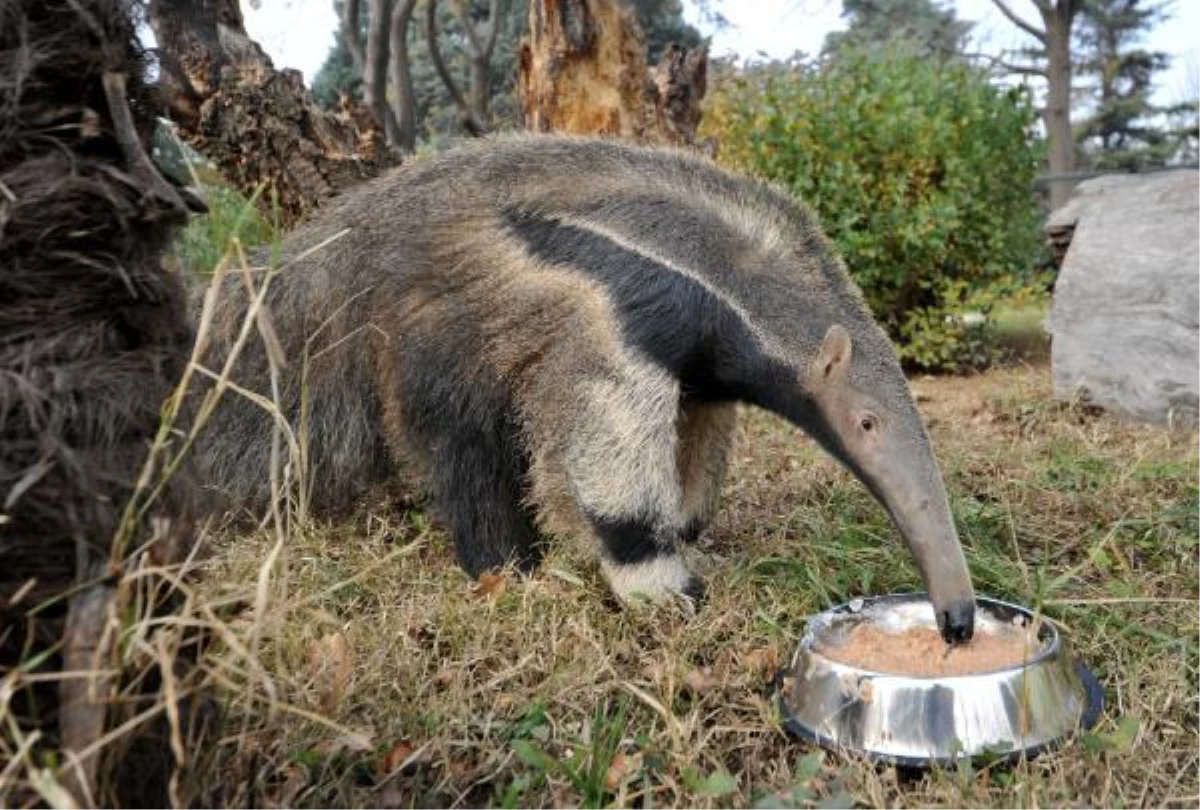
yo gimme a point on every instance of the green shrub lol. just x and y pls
(205, 240)
(921, 172)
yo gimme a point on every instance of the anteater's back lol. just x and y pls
(434, 265)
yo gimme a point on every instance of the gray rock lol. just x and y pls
(1127, 301)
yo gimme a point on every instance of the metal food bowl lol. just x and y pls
(920, 721)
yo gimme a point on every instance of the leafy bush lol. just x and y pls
(921, 172)
(205, 240)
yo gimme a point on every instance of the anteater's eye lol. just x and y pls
(868, 423)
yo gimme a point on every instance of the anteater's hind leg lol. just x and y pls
(706, 433)
(621, 466)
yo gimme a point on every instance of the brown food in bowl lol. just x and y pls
(921, 652)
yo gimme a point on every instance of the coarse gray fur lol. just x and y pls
(556, 331)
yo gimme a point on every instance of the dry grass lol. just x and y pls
(384, 677)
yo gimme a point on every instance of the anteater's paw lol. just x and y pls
(661, 579)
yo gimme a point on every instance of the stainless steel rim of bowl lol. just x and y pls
(1051, 647)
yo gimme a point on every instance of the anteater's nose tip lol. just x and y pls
(957, 623)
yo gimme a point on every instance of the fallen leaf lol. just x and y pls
(333, 667)
(490, 585)
(622, 768)
(395, 757)
(762, 662)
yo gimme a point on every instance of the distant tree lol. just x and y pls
(338, 75)
(436, 111)
(371, 60)
(1183, 120)
(1050, 58)
(925, 25)
(662, 24)
(1121, 132)
(478, 31)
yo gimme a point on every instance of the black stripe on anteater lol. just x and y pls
(666, 316)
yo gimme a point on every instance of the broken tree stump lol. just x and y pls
(259, 126)
(583, 71)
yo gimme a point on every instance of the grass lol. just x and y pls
(1019, 329)
(202, 245)
(399, 682)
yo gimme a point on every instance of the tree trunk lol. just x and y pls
(480, 86)
(379, 21)
(679, 82)
(1057, 115)
(257, 124)
(401, 77)
(473, 110)
(351, 36)
(1054, 43)
(582, 70)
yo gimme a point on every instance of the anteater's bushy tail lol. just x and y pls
(305, 383)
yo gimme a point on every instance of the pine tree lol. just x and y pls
(1125, 129)
(924, 25)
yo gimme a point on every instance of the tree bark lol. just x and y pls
(1057, 115)
(679, 82)
(405, 94)
(257, 124)
(1054, 40)
(583, 70)
(94, 337)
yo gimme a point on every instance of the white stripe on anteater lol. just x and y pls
(769, 345)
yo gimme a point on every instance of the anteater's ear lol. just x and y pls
(833, 358)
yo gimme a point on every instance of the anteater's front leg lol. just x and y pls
(469, 445)
(476, 482)
(621, 465)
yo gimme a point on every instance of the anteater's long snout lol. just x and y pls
(939, 556)
(923, 516)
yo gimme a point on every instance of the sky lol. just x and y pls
(299, 33)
